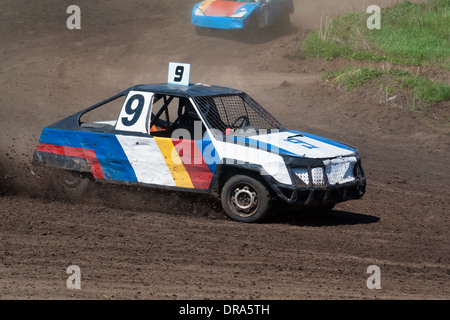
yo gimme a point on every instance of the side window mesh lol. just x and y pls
(221, 112)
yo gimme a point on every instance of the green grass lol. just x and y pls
(353, 78)
(423, 91)
(413, 34)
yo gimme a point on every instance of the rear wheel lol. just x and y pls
(245, 199)
(70, 184)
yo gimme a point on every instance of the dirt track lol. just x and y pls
(144, 244)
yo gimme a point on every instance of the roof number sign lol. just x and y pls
(179, 73)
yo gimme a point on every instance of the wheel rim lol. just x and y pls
(244, 200)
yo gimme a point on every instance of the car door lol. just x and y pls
(160, 151)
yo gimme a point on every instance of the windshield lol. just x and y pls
(235, 114)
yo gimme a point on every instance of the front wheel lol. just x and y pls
(252, 32)
(245, 199)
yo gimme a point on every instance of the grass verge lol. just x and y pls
(421, 92)
(413, 34)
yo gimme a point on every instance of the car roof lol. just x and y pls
(193, 90)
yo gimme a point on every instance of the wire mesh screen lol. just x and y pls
(235, 111)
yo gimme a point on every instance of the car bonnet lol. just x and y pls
(223, 8)
(295, 144)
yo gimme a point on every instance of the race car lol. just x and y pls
(202, 138)
(246, 15)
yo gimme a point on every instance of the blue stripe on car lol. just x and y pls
(261, 145)
(108, 150)
(324, 140)
(209, 153)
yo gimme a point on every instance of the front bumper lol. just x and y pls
(327, 192)
(312, 196)
(219, 22)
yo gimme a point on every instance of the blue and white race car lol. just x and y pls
(202, 138)
(250, 15)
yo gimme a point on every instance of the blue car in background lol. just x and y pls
(245, 15)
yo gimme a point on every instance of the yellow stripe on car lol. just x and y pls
(174, 163)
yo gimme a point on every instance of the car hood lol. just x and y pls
(296, 144)
(223, 8)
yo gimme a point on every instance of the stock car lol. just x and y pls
(245, 15)
(202, 138)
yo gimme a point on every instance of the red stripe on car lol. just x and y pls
(193, 161)
(222, 8)
(87, 154)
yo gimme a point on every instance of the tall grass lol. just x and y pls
(414, 34)
(422, 90)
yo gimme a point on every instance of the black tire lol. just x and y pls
(70, 184)
(245, 199)
(252, 32)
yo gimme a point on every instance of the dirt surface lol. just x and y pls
(145, 244)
